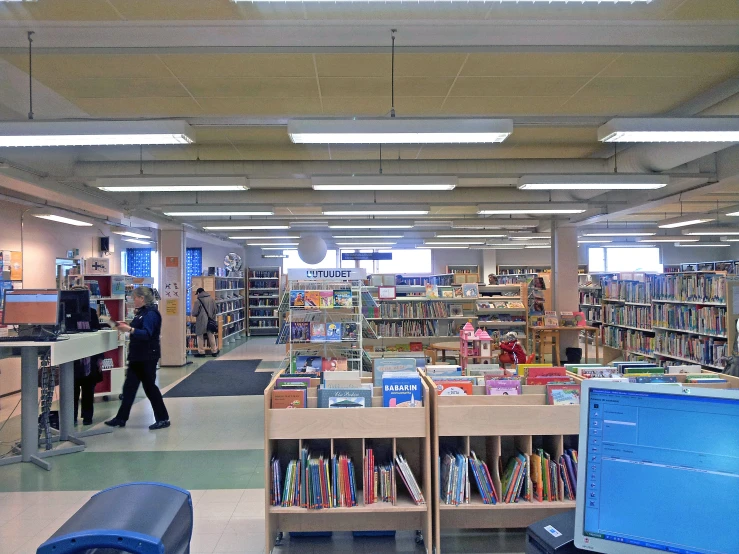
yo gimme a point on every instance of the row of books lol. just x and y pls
(268, 284)
(314, 482)
(627, 291)
(264, 274)
(379, 480)
(592, 315)
(418, 328)
(315, 331)
(689, 288)
(633, 316)
(454, 479)
(628, 339)
(257, 302)
(502, 318)
(225, 298)
(705, 319)
(339, 298)
(255, 313)
(500, 304)
(646, 372)
(705, 350)
(590, 297)
(230, 284)
(539, 477)
(407, 310)
(551, 319)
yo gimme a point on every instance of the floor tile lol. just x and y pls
(204, 543)
(241, 543)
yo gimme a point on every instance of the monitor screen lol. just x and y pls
(31, 307)
(661, 471)
(76, 309)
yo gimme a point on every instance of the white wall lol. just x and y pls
(525, 257)
(440, 258)
(214, 252)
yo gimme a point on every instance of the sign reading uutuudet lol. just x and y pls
(351, 274)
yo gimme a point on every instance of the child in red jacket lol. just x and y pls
(512, 351)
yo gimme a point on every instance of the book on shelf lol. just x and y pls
(300, 331)
(682, 369)
(453, 388)
(470, 290)
(531, 371)
(457, 292)
(341, 379)
(382, 365)
(317, 331)
(297, 299)
(442, 370)
(653, 379)
(563, 394)
(333, 331)
(379, 480)
(503, 387)
(307, 363)
(288, 398)
(312, 299)
(343, 298)
(454, 486)
(348, 330)
(406, 475)
(401, 389)
(550, 319)
(326, 298)
(483, 479)
(292, 383)
(345, 397)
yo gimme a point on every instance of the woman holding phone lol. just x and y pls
(143, 354)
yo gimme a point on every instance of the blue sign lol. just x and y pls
(348, 256)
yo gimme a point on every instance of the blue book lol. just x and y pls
(382, 365)
(333, 332)
(402, 390)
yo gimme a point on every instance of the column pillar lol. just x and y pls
(172, 291)
(565, 296)
(489, 264)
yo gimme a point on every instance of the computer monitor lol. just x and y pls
(31, 307)
(659, 469)
(74, 307)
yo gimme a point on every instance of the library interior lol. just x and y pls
(499, 238)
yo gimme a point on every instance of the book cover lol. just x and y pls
(546, 379)
(457, 292)
(326, 298)
(503, 387)
(432, 291)
(597, 372)
(416, 346)
(297, 299)
(683, 369)
(453, 388)
(402, 390)
(312, 298)
(343, 298)
(300, 331)
(644, 369)
(470, 290)
(550, 319)
(348, 330)
(545, 371)
(455, 310)
(341, 379)
(307, 363)
(292, 382)
(563, 394)
(440, 370)
(344, 398)
(317, 332)
(656, 379)
(382, 365)
(286, 398)
(333, 332)
(339, 364)
(446, 292)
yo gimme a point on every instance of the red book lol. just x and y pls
(545, 371)
(546, 379)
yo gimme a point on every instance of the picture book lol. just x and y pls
(286, 398)
(536, 321)
(292, 382)
(343, 298)
(344, 397)
(515, 304)
(654, 369)
(341, 379)
(402, 390)
(307, 363)
(446, 292)
(453, 388)
(339, 364)
(550, 319)
(297, 299)
(704, 379)
(546, 379)
(470, 290)
(333, 332)
(432, 291)
(654, 379)
(348, 330)
(503, 387)
(457, 292)
(382, 365)
(312, 298)
(563, 394)
(317, 332)
(442, 370)
(539, 371)
(455, 310)
(683, 369)
(486, 369)
(597, 372)
(567, 319)
(416, 346)
(300, 331)
(326, 298)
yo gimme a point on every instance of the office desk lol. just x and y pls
(63, 353)
(553, 332)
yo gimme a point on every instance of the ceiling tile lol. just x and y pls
(274, 135)
(615, 106)
(378, 86)
(139, 107)
(405, 106)
(268, 87)
(83, 66)
(194, 66)
(730, 106)
(517, 86)
(536, 64)
(555, 151)
(717, 10)
(118, 88)
(554, 135)
(353, 65)
(503, 105)
(260, 106)
(181, 9)
(59, 10)
(674, 65)
(682, 87)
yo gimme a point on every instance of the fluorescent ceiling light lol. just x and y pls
(470, 236)
(630, 245)
(499, 247)
(131, 234)
(398, 130)
(385, 183)
(216, 214)
(429, 247)
(619, 234)
(594, 241)
(69, 220)
(733, 214)
(374, 212)
(309, 224)
(702, 244)
(172, 184)
(274, 256)
(451, 242)
(278, 248)
(695, 129)
(370, 226)
(662, 238)
(730, 239)
(367, 236)
(540, 246)
(271, 243)
(714, 230)
(137, 241)
(465, 1)
(258, 237)
(540, 208)
(94, 133)
(531, 236)
(494, 223)
(592, 182)
(365, 243)
(684, 221)
(246, 227)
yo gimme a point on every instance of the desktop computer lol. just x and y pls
(34, 307)
(74, 311)
(658, 469)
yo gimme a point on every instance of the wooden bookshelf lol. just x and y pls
(263, 300)
(229, 296)
(464, 273)
(489, 318)
(497, 427)
(350, 431)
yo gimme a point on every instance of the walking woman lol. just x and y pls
(143, 354)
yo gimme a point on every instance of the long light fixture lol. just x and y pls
(594, 241)
(712, 230)
(246, 227)
(499, 247)
(539, 246)
(365, 244)
(702, 244)
(733, 214)
(264, 237)
(730, 239)
(137, 241)
(398, 130)
(284, 248)
(432, 247)
(271, 243)
(94, 133)
(451, 242)
(684, 221)
(70, 219)
(665, 129)
(608, 181)
(481, 223)
(389, 183)
(367, 236)
(217, 214)
(172, 184)
(663, 238)
(619, 234)
(131, 234)
(370, 225)
(531, 236)
(534, 209)
(466, 1)
(367, 211)
(274, 256)
(469, 236)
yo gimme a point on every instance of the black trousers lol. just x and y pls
(86, 387)
(146, 374)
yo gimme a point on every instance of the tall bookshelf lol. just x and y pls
(627, 316)
(495, 313)
(263, 296)
(464, 273)
(591, 298)
(228, 294)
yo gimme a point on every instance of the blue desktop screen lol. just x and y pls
(663, 471)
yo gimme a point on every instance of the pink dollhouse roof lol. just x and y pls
(482, 334)
(468, 327)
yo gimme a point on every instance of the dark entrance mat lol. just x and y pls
(223, 378)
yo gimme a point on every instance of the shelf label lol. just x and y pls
(334, 274)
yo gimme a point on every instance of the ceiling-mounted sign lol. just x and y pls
(349, 256)
(353, 274)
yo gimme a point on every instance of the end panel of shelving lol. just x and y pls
(506, 420)
(500, 516)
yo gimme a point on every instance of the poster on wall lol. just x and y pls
(97, 266)
(172, 283)
(11, 265)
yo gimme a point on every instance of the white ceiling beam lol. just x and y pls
(348, 35)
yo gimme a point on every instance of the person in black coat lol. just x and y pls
(143, 354)
(88, 372)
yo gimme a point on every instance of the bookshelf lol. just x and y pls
(494, 313)
(228, 293)
(496, 428)
(350, 431)
(464, 273)
(263, 300)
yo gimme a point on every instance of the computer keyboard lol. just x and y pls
(27, 338)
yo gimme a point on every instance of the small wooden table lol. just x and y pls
(443, 347)
(553, 332)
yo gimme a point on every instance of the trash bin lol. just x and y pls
(136, 518)
(574, 355)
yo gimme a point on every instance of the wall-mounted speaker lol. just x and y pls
(104, 244)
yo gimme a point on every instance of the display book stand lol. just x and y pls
(110, 297)
(263, 300)
(228, 293)
(497, 318)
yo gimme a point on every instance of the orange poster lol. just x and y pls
(172, 261)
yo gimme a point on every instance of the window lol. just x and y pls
(193, 266)
(616, 260)
(138, 262)
(406, 262)
(293, 261)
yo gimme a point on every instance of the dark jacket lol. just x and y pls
(144, 338)
(84, 369)
(203, 307)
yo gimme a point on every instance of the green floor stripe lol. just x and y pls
(195, 469)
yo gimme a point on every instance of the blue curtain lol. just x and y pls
(138, 262)
(193, 266)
